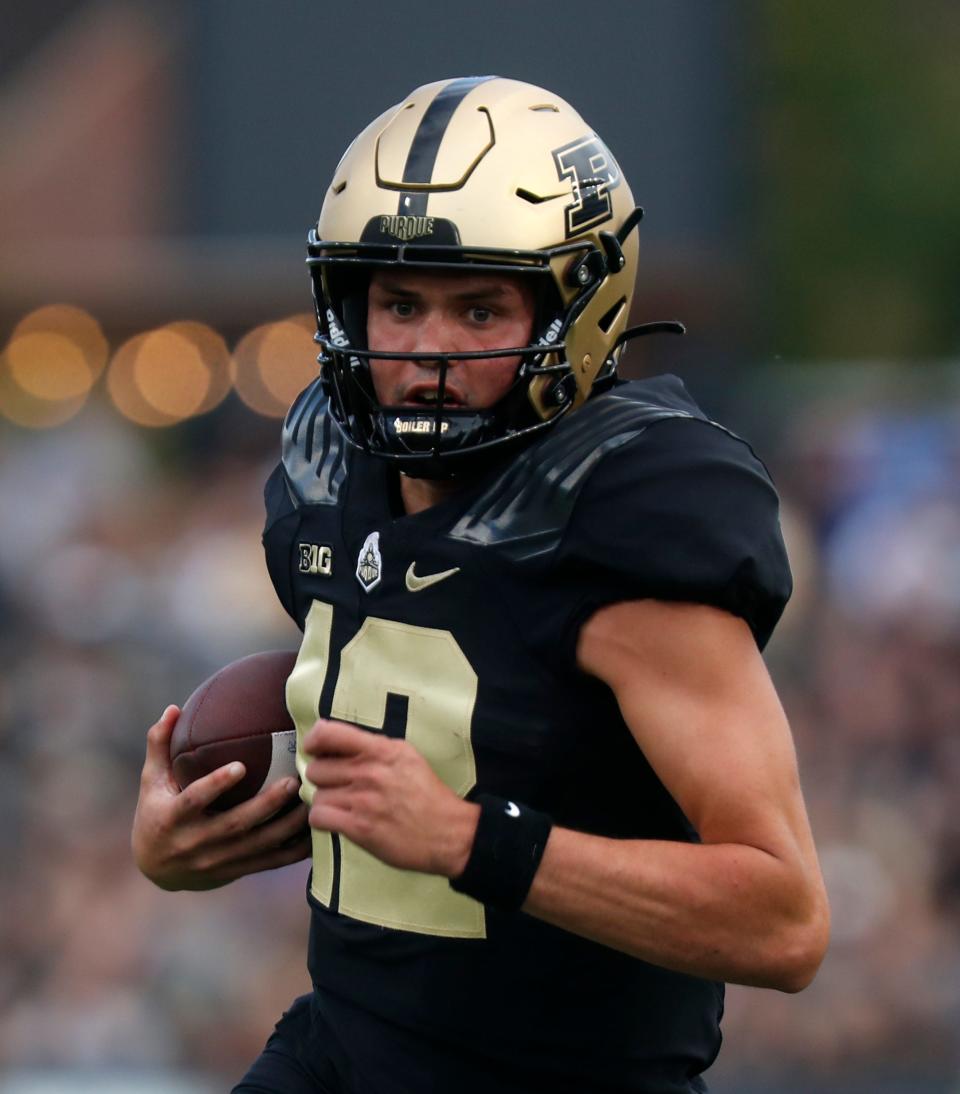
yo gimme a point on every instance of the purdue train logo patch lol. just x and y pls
(369, 562)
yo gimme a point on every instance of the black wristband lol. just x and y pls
(506, 852)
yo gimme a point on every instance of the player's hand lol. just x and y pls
(382, 794)
(178, 844)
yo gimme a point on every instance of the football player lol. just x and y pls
(553, 796)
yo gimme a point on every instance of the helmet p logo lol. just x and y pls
(593, 173)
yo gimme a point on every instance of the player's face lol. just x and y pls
(415, 312)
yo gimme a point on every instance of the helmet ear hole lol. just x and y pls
(606, 321)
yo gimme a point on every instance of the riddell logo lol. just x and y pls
(337, 337)
(406, 227)
(549, 336)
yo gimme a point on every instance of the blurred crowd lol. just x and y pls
(131, 568)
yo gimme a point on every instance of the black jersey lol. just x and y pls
(456, 627)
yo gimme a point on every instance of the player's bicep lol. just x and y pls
(696, 695)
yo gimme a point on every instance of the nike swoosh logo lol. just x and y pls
(415, 584)
(512, 809)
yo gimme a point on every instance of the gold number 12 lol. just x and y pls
(429, 668)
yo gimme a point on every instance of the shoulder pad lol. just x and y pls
(314, 450)
(527, 508)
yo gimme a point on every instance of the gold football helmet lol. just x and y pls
(493, 175)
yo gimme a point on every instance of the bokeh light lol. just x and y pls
(51, 363)
(123, 384)
(49, 366)
(274, 363)
(72, 323)
(170, 374)
(166, 375)
(24, 409)
(215, 355)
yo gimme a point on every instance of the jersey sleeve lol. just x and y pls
(280, 527)
(687, 512)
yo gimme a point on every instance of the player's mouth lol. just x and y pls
(427, 395)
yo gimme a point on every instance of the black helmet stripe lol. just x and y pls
(426, 141)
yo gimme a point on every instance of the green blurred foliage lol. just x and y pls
(859, 216)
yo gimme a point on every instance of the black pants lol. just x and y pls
(327, 1046)
(302, 1056)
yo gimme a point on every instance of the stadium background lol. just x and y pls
(800, 166)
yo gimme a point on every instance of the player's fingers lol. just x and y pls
(330, 771)
(329, 738)
(157, 759)
(278, 836)
(342, 797)
(290, 824)
(268, 860)
(196, 798)
(284, 795)
(275, 830)
(256, 811)
(329, 816)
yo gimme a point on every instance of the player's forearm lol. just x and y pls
(722, 911)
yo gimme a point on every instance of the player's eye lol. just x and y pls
(480, 314)
(403, 309)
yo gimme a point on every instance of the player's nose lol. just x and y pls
(435, 334)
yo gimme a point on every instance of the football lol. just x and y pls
(240, 713)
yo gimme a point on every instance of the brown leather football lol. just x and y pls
(240, 713)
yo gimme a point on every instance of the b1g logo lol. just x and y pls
(593, 173)
(316, 558)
